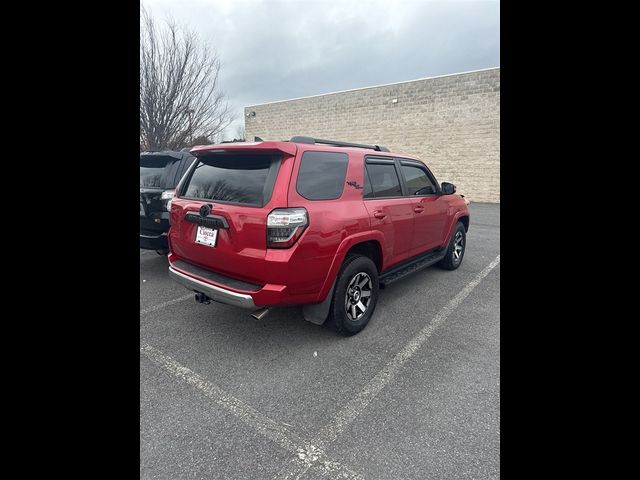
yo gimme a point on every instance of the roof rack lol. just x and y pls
(337, 143)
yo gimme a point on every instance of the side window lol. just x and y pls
(186, 163)
(384, 180)
(172, 174)
(322, 175)
(418, 183)
(368, 191)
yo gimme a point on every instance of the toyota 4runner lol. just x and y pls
(319, 223)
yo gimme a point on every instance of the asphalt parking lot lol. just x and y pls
(415, 395)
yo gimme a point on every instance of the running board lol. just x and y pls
(401, 271)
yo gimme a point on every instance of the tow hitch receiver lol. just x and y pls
(202, 298)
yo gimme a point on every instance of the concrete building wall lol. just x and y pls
(451, 122)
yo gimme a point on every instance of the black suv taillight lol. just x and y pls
(285, 225)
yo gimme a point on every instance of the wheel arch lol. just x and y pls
(460, 216)
(368, 243)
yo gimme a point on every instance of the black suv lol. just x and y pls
(160, 173)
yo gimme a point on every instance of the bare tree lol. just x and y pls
(180, 98)
(241, 133)
(202, 140)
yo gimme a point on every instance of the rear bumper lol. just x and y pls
(154, 242)
(231, 291)
(215, 292)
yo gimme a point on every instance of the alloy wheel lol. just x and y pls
(458, 246)
(358, 296)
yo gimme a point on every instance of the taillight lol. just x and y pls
(166, 197)
(285, 225)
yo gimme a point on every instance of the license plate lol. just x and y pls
(206, 236)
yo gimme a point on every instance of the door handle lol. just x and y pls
(418, 209)
(379, 214)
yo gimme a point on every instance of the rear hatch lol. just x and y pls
(236, 189)
(157, 174)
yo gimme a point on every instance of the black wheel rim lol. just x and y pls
(358, 296)
(458, 246)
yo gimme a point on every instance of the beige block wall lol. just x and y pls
(452, 123)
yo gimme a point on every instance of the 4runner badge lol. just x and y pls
(354, 184)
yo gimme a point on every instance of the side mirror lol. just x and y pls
(448, 188)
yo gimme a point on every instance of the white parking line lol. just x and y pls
(355, 407)
(162, 305)
(304, 454)
(308, 455)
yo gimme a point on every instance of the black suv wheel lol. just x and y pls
(455, 250)
(355, 295)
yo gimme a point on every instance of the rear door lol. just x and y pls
(389, 210)
(219, 215)
(429, 209)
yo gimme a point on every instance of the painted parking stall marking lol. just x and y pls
(309, 455)
(391, 369)
(168, 303)
(386, 375)
(304, 453)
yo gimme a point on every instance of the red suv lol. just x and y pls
(318, 223)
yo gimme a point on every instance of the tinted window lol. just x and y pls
(234, 178)
(384, 180)
(322, 175)
(186, 163)
(368, 191)
(418, 182)
(157, 171)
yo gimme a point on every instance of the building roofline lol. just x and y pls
(373, 86)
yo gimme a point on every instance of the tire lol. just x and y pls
(163, 251)
(450, 260)
(358, 275)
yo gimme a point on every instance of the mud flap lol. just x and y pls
(319, 312)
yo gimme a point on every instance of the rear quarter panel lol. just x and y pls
(333, 226)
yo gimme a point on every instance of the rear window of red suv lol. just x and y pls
(237, 178)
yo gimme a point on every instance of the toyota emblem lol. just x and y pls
(205, 210)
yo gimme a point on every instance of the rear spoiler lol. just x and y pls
(286, 147)
(184, 153)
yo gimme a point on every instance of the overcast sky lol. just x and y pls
(280, 49)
